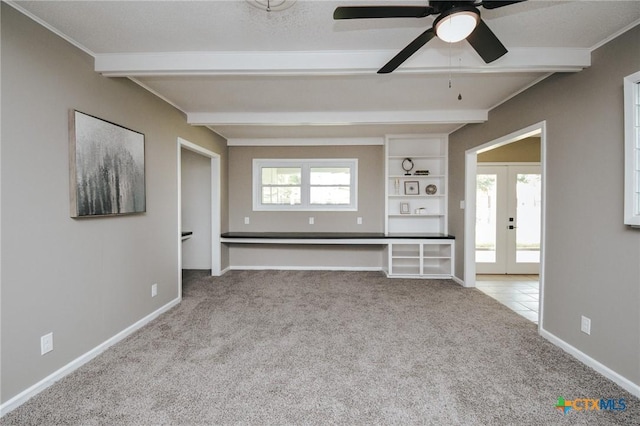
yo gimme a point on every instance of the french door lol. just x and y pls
(508, 219)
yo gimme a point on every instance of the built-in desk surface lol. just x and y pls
(406, 255)
(328, 236)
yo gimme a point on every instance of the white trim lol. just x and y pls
(308, 268)
(51, 28)
(471, 166)
(290, 118)
(216, 255)
(469, 256)
(631, 84)
(156, 93)
(614, 35)
(305, 165)
(457, 280)
(620, 380)
(522, 89)
(32, 391)
(305, 141)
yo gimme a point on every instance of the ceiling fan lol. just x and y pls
(456, 21)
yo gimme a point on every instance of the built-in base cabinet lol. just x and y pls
(420, 258)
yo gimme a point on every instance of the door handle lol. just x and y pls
(511, 227)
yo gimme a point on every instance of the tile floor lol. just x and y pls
(520, 293)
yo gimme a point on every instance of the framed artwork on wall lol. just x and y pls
(106, 168)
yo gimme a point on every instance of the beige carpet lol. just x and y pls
(284, 347)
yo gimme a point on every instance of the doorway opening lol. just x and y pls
(202, 214)
(504, 219)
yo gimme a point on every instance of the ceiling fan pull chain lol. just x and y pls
(449, 65)
(460, 72)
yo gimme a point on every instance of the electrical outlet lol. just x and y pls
(312, 220)
(461, 204)
(46, 343)
(585, 325)
(359, 221)
(154, 290)
(246, 220)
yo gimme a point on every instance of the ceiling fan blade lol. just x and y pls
(485, 42)
(405, 53)
(366, 12)
(496, 4)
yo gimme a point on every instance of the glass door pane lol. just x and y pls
(528, 212)
(486, 217)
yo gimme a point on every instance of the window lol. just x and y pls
(307, 185)
(632, 149)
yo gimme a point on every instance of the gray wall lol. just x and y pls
(370, 208)
(85, 280)
(592, 261)
(196, 210)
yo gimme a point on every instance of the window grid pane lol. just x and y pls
(330, 176)
(330, 195)
(281, 175)
(281, 195)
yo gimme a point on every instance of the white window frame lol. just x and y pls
(305, 186)
(631, 152)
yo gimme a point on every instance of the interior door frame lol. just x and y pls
(216, 261)
(471, 167)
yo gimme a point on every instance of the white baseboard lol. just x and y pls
(307, 268)
(225, 270)
(32, 391)
(458, 281)
(622, 381)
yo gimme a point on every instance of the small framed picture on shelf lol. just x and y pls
(404, 208)
(411, 187)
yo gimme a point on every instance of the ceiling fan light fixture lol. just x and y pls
(456, 24)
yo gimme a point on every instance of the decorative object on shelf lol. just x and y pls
(271, 5)
(421, 210)
(407, 166)
(421, 173)
(397, 183)
(411, 187)
(431, 189)
(106, 168)
(404, 208)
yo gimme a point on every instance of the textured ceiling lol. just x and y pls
(234, 91)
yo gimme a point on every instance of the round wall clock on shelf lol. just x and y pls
(407, 166)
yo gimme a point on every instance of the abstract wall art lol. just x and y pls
(107, 175)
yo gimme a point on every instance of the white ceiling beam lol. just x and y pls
(304, 141)
(336, 118)
(336, 62)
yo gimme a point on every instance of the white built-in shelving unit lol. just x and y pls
(427, 213)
